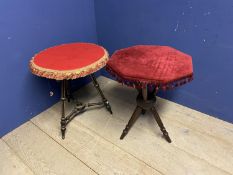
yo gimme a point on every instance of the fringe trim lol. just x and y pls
(139, 84)
(69, 74)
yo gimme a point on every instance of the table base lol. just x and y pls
(80, 107)
(145, 102)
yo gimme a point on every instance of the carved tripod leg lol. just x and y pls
(136, 114)
(63, 99)
(160, 123)
(105, 101)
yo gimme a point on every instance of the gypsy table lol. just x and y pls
(149, 68)
(71, 61)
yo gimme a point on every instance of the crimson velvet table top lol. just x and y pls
(160, 66)
(69, 61)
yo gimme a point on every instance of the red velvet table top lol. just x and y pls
(69, 61)
(142, 65)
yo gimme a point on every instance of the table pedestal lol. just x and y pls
(80, 107)
(145, 101)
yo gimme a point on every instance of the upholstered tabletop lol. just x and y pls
(160, 66)
(69, 61)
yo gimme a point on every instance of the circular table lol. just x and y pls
(149, 68)
(71, 61)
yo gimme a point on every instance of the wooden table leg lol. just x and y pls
(80, 107)
(144, 93)
(105, 101)
(145, 96)
(68, 90)
(136, 114)
(63, 117)
(160, 123)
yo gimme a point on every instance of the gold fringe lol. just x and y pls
(68, 74)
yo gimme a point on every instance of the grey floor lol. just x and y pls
(201, 144)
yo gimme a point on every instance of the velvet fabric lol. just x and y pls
(142, 65)
(69, 61)
(69, 56)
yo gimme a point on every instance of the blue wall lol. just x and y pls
(201, 28)
(26, 27)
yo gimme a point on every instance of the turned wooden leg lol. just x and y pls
(63, 99)
(144, 96)
(105, 101)
(160, 123)
(136, 114)
(68, 90)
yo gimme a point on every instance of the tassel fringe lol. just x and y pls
(139, 84)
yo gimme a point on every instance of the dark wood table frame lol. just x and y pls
(145, 101)
(80, 107)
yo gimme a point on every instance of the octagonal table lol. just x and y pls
(149, 68)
